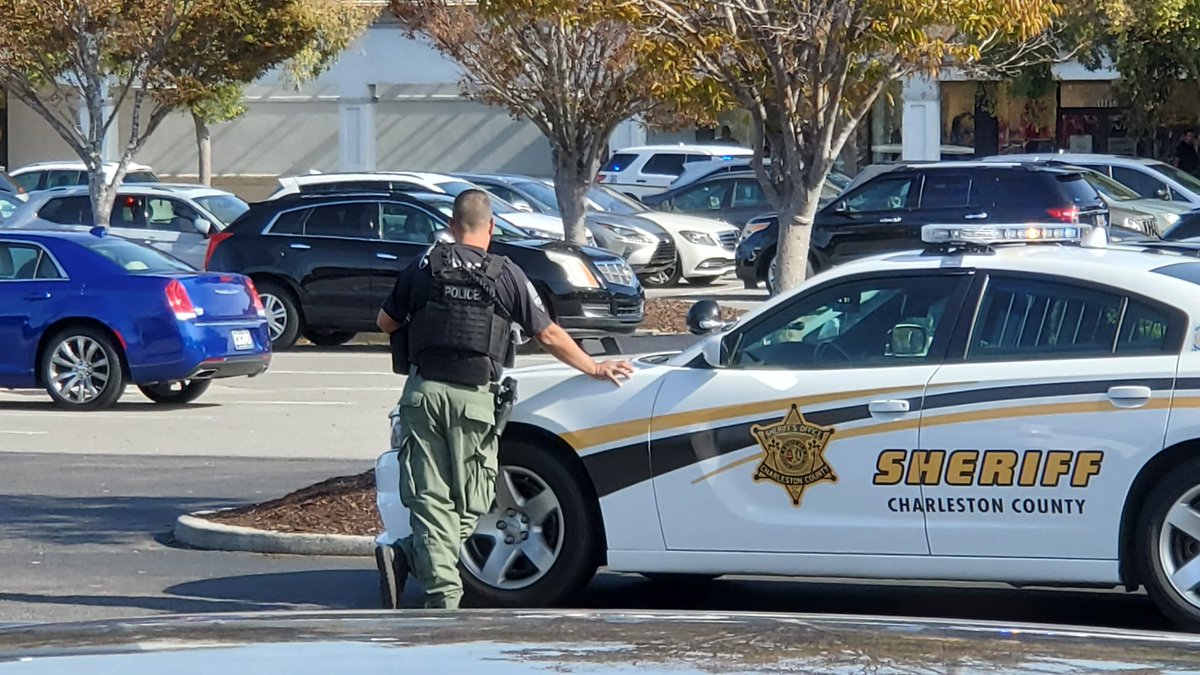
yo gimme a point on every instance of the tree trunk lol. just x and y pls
(571, 187)
(795, 231)
(204, 149)
(102, 195)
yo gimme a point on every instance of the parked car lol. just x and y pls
(1150, 178)
(647, 169)
(1186, 228)
(174, 218)
(83, 314)
(695, 171)
(323, 264)
(1129, 210)
(729, 196)
(647, 246)
(46, 175)
(536, 224)
(886, 212)
(8, 186)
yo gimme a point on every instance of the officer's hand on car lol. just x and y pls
(614, 371)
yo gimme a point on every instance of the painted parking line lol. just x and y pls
(300, 403)
(24, 433)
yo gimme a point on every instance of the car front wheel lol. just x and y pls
(665, 277)
(81, 369)
(538, 546)
(178, 392)
(1168, 544)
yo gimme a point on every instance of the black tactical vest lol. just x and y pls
(462, 328)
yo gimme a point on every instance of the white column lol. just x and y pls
(627, 134)
(921, 125)
(110, 149)
(356, 135)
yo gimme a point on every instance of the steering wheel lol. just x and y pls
(819, 352)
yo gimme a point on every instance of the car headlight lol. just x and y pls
(755, 226)
(1171, 218)
(627, 234)
(698, 238)
(578, 274)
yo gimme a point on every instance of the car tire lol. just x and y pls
(284, 322)
(166, 393)
(664, 278)
(1162, 548)
(79, 357)
(567, 537)
(329, 338)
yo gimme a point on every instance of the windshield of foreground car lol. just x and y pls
(225, 207)
(1186, 179)
(135, 258)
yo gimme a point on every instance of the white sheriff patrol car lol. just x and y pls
(988, 409)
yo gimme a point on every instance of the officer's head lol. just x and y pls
(472, 221)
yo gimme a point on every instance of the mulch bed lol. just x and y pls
(342, 505)
(346, 504)
(670, 316)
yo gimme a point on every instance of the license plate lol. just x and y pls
(242, 340)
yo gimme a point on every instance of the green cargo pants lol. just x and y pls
(448, 469)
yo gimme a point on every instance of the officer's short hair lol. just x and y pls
(472, 209)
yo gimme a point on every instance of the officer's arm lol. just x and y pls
(386, 323)
(562, 347)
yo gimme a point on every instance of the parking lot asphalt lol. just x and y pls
(87, 502)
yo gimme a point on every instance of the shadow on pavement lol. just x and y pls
(1082, 607)
(149, 603)
(43, 404)
(108, 519)
(330, 589)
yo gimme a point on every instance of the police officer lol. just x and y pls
(455, 308)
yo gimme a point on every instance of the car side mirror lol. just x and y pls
(841, 207)
(714, 203)
(1163, 193)
(712, 351)
(908, 340)
(203, 226)
(704, 318)
(522, 206)
(443, 237)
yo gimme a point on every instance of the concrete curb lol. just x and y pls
(193, 530)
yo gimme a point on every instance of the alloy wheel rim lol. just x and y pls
(663, 276)
(79, 369)
(1179, 546)
(277, 319)
(772, 274)
(517, 543)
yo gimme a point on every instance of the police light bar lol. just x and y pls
(985, 235)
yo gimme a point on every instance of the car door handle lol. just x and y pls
(1129, 396)
(889, 407)
(300, 247)
(386, 256)
(975, 216)
(894, 219)
(44, 295)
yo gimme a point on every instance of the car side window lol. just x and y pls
(355, 220)
(59, 178)
(47, 268)
(505, 194)
(1050, 319)
(889, 193)
(289, 222)
(665, 164)
(18, 262)
(941, 191)
(408, 224)
(67, 211)
(28, 181)
(1144, 185)
(859, 324)
(170, 215)
(747, 193)
(706, 197)
(129, 211)
(1177, 196)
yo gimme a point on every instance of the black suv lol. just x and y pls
(323, 264)
(886, 212)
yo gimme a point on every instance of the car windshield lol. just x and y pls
(1109, 187)
(456, 187)
(225, 207)
(541, 193)
(1184, 178)
(135, 258)
(608, 199)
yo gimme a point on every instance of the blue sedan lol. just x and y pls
(84, 314)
